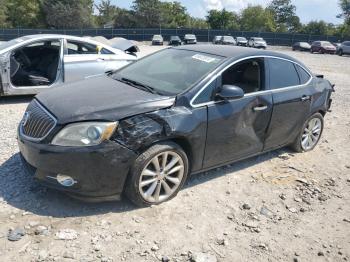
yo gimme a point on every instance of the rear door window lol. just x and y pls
(282, 73)
(80, 48)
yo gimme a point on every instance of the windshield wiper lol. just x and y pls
(138, 85)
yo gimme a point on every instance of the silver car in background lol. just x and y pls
(257, 42)
(344, 48)
(31, 64)
(190, 39)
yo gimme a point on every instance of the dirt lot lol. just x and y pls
(279, 206)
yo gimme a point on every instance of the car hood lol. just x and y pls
(305, 45)
(99, 98)
(125, 45)
(329, 47)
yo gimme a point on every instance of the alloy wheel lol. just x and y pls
(311, 134)
(161, 177)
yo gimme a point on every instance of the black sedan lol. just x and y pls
(143, 129)
(301, 46)
(241, 41)
(175, 41)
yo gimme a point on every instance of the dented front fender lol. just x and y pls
(176, 123)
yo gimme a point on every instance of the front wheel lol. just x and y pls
(340, 52)
(158, 174)
(310, 134)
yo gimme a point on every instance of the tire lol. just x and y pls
(341, 52)
(136, 193)
(297, 144)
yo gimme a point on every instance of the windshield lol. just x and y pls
(258, 39)
(241, 39)
(5, 45)
(171, 71)
(157, 37)
(327, 44)
(229, 38)
(190, 36)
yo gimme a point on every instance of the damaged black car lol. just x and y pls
(141, 130)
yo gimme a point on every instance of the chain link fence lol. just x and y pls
(145, 34)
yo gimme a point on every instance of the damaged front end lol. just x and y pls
(179, 124)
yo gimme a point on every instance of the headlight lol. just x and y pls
(84, 134)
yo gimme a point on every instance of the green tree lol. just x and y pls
(173, 15)
(106, 12)
(284, 15)
(345, 7)
(24, 13)
(68, 14)
(3, 14)
(197, 23)
(125, 19)
(256, 18)
(343, 31)
(223, 19)
(147, 12)
(319, 28)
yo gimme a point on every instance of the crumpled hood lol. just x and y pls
(99, 98)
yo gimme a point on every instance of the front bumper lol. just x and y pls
(329, 51)
(190, 42)
(157, 43)
(99, 171)
(257, 45)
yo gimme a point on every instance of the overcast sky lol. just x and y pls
(307, 10)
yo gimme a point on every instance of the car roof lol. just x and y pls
(231, 51)
(30, 38)
(237, 52)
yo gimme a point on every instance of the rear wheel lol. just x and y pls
(310, 134)
(158, 174)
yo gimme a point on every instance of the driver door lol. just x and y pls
(13, 68)
(237, 128)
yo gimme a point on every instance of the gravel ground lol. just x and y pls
(279, 206)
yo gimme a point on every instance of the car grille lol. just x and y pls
(37, 123)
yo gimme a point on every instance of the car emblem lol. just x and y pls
(25, 118)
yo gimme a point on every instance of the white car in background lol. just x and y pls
(257, 42)
(33, 63)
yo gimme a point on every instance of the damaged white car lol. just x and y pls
(30, 64)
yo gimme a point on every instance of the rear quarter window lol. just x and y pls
(282, 73)
(303, 75)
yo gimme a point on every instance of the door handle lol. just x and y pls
(259, 108)
(100, 59)
(305, 98)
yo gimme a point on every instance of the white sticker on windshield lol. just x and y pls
(204, 58)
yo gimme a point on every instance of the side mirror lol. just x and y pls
(229, 92)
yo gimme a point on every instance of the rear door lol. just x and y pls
(292, 95)
(346, 47)
(114, 59)
(81, 60)
(237, 128)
